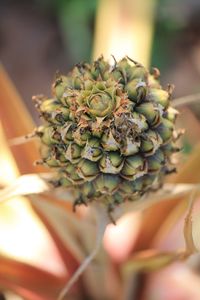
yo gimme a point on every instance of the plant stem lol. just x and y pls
(102, 222)
(25, 185)
(186, 100)
(126, 29)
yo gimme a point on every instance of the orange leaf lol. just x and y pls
(17, 122)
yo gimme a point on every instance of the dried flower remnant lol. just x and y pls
(109, 131)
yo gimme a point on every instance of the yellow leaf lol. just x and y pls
(151, 260)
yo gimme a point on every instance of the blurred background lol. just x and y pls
(41, 37)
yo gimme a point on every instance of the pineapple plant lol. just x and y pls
(109, 131)
(58, 116)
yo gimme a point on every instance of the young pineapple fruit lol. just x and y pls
(108, 132)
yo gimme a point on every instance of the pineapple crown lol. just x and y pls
(108, 132)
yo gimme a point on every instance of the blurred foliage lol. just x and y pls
(76, 21)
(187, 146)
(176, 24)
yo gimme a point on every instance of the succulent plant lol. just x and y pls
(108, 132)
